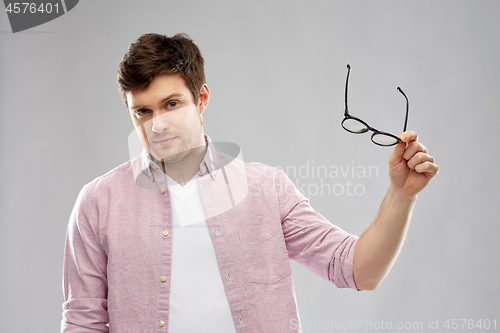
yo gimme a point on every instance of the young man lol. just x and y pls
(184, 238)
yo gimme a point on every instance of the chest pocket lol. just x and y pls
(265, 253)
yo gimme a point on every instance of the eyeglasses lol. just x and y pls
(358, 126)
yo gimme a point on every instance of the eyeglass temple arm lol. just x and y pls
(407, 107)
(346, 112)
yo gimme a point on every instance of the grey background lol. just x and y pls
(276, 71)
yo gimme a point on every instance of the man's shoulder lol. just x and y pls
(116, 177)
(259, 168)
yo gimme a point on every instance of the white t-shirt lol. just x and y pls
(198, 301)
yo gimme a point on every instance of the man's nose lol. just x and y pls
(160, 123)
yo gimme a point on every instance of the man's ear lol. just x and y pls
(203, 98)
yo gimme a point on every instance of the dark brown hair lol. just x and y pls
(152, 55)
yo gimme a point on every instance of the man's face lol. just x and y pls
(166, 119)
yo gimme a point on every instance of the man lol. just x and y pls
(184, 238)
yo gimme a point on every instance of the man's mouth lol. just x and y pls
(164, 142)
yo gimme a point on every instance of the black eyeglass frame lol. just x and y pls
(368, 127)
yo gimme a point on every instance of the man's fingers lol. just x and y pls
(414, 147)
(423, 163)
(409, 139)
(408, 136)
(419, 158)
(428, 168)
(397, 154)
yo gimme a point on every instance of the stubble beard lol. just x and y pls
(192, 147)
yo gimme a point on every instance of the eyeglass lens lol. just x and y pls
(354, 126)
(384, 140)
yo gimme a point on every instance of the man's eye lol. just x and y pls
(172, 105)
(142, 112)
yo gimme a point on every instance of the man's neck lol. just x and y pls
(184, 170)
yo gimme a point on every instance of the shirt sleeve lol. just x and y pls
(84, 272)
(312, 240)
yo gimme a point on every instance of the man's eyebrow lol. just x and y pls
(172, 95)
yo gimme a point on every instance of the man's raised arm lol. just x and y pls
(410, 170)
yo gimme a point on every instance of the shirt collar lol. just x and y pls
(210, 161)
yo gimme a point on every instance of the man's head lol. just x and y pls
(162, 83)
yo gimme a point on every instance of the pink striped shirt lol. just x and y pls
(117, 255)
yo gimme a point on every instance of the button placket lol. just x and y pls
(162, 229)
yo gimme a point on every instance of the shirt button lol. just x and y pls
(165, 232)
(163, 189)
(162, 323)
(163, 278)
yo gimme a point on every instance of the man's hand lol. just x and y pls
(410, 166)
